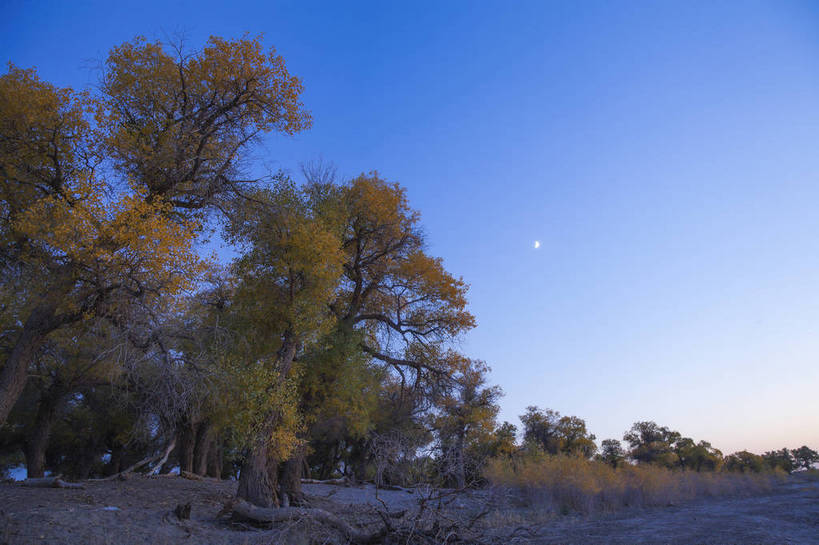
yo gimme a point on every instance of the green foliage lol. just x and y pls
(780, 459)
(745, 462)
(805, 457)
(503, 441)
(254, 390)
(339, 386)
(697, 456)
(611, 453)
(652, 444)
(557, 434)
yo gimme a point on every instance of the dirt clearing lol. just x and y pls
(140, 511)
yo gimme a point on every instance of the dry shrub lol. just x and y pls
(570, 484)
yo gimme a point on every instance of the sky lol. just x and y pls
(663, 153)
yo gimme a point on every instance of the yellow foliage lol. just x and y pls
(253, 391)
(178, 124)
(124, 241)
(291, 268)
(67, 227)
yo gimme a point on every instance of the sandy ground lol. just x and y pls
(789, 516)
(139, 511)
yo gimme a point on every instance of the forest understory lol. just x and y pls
(141, 510)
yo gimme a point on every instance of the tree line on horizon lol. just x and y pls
(327, 347)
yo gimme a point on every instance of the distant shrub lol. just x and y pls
(745, 462)
(572, 484)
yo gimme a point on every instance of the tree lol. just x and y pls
(540, 428)
(286, 279)
(74, 359)
(612, 453)
(504, 441)
(401, 304)
(556, 434)
(697, 456)
(781, 459)
(174, 128)
(465, 420)
(805, 457)
(71, 253)
(403, 301)
(745, 462)
(339, 394)
(652, 444)
(573, 437)
(180, 124)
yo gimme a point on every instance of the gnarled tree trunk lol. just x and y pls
(37, 442)
(185, 443)
(215, 459)
(13, 374)
(202, 447)
(259, 475)
(258, 480)
(292, 472)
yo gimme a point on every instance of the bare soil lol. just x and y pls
(790, 515)
(140, 511)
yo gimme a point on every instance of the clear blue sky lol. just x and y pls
(665, 155)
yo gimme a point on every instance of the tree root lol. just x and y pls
(50, 482)
(247, 511)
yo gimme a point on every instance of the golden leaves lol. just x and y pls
(123, 239)
(180, 124)
(292, 264)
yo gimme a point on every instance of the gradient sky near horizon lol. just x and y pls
(664, 155)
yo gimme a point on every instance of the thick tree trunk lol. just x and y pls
(328, 465)
(292, 472)
(460, 469)
(215, 459)
(37, 441)
(202, 447)
(258, 479)
(186, 441)
(358, 460)
(13, 375)
(115, 464)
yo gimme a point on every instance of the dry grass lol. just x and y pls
(564, 484)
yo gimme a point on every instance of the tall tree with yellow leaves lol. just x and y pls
(175, 128)
(69, 250)
(286, 280)
(400, 304)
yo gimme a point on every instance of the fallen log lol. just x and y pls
(158, 466)
(343, 481)
(50, 482)
(191, 476)
(247, 511)
(162, 457)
